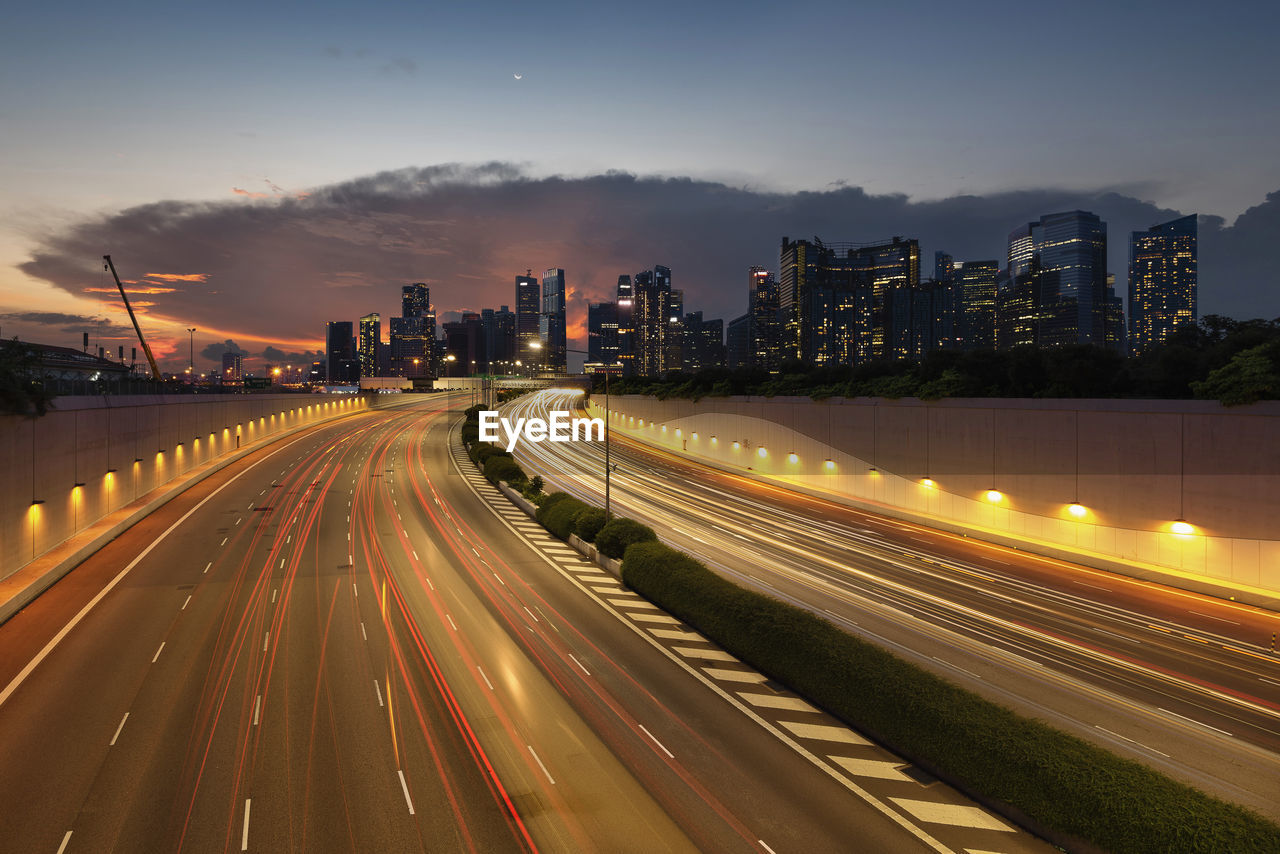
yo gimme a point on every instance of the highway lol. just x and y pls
(1184, 682)
(341, 642)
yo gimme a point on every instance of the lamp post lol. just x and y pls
(191, 341)
(448, 389)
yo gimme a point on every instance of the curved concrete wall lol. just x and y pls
(121, 448)
(1133, 468)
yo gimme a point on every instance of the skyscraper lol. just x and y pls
(602, 333)
(415, 300)
(1162, 281)
(626, 324)
(552, 324)
(232, 367)
(340, 353)
(977, 284)
(527, 314)
(651, 319)
(370, 342)
(703, 343)
(764, 330)
(413, 334)
(1066, 256)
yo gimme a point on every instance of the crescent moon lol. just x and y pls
(518, 76)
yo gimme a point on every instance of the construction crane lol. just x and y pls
(146, 348)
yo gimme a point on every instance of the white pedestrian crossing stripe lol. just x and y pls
(707, 654)
(734, 675)
(776, 701)
(655, 618)
(954, 814)
(877, 768)
(825, 732)
(632, 603)
(673, 634)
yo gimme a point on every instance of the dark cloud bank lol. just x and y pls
(277, 270)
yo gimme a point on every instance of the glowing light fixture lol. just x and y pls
(77, 485)
(737, 445)
(762, 452)
(1182, 526)
(1077, 510)
(830, 464)
(792, 458)
(927, 483)
(995, 496)
(36, 501)
(695, 434)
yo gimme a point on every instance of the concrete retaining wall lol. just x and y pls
(1132, 468)
(92, 455)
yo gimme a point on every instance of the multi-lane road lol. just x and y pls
(1181, 681)
(343, 642)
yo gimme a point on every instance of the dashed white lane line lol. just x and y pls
(707, 654)
(207, 565)
(1130, 740)
(378, 688)
(65, 840)
(354, 590)
(257, 709)
(579, 663)
(158, 651)
(824, 732)
(530, 613)
(1194, 721)
(485, 678)
(112, 743)
(273, 595)
(265, 639)
(404, 787)
(244, 834)
(543, 767)
(954, 667)
(766, 847)
(775, 701)
(415, 555)
(184, 604)
(734, 675)
(282, 563)
(876, 768)
(223, 543)
(451, 622)
(363, 634)
(1211, 617)
(953, 814)
(661, 746)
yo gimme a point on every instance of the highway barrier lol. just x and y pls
(1056, 784)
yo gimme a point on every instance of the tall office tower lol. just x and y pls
(464, 341)
(944, 267)
(703, 343)
(765, 331)
(676, 332)
(738, 349)
(837, 301)
(626, 325)
(500, 339)
(1066, 255)
(415, 300)
(650, 321)
(527, 314)
(976, 281)
(552, 323)
(370, 343)
(411, 347)
(602, 333)
(233, 367)
(340, 353)
(1162, 281)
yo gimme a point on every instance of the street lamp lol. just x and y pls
(448, 389)
(191, 341)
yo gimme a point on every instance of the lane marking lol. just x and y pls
(485, 678)
(244, 834)
(273, 595)
(354, 590)
(1130, 740)
(265, 639)
(1194, 721)
(207, 565)
(158, 651)
(451, 622)
(184, 604)
(953, 814)
(878, 769)
(65, 840)
(734, 675)
(530, 613)
(1211, 617)
(579, 663)
(708, 654)
(404, 787)
(223, 543)
(775, 701)
(378, 688)
(825, 732)
(112, 743)
(670, 755)
(282, 563)
(766, 847)
(363, 634)
(543, 767)
(257, 709)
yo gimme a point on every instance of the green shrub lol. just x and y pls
(548, 502)
(504, 468)
(473, 413)
(482, 452)
(588, 523)
(535, 486)
(614, 537)
(1058, 780)
(470, 434)
(558, 519)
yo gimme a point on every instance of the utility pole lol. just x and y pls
(191, 361)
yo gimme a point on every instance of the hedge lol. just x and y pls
(1062, 782)
(587, 523)
(504, 468)
(614, 537)
(559, 517)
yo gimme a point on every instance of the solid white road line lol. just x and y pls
(404, 787)
(670, 755)
(543, 767)
(112, 743)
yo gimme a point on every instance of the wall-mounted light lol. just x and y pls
(112, 471)
(995, 496)
(927, 483)
(792, 458)
(1183, 527)
(761, 451)
(830, 464)
(737, 445)
(36, 501)
(1077, 510)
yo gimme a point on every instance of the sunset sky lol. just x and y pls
(257, 172)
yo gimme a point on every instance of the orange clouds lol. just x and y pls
(145, 289)
(178, 277)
